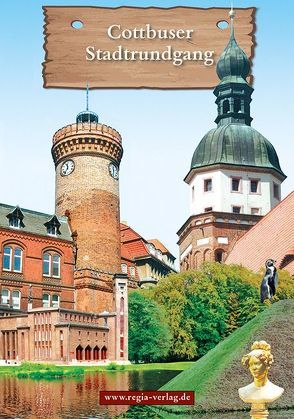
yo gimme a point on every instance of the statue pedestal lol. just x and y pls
(258, 411)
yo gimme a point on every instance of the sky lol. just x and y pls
(160, 129)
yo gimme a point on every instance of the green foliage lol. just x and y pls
(205, 306)
(149, 334)
(115, 367)
(285, 289)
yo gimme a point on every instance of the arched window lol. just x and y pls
(88, 353)
(96, 353)
(219, 255)
(61, 344)
(12, 258)
(104, 353)
(226, 106)
(237, 105)
(51, 264)
(46, 300)
(16, 299)
(55, 300)
(79, 353)
(5, 296)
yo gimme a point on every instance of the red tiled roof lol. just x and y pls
(272, 237)
(158, 245)
(132, 243)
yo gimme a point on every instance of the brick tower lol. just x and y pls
(87, 155)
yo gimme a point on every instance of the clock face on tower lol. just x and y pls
(67, 168)
(113, 170)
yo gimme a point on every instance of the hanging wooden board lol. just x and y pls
(131, 47)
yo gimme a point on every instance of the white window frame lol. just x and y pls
(51, 228)
(255, 208)
(7, 298)
(55, 304)
(16, 299)
(51, 262)
(18, 256)
(240, 184)
(12, 224)
(124, 268)
(43, 301)
(258, 190)
(12, 258)
(58, 263)
(205, 184)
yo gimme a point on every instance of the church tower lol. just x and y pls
(235, 176)
(87, 156)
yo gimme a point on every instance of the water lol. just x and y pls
(72, 397)
(78, 398)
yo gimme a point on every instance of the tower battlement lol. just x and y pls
(89, 138)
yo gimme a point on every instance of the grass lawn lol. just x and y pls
(33, 370)
(216, 377)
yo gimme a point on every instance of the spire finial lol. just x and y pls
(232, 14)
(87, 97)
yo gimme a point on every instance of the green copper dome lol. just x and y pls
(236, 144)
(233, 63)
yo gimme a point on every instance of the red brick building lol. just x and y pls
(63, 296)
(144, 261)
(271, 238)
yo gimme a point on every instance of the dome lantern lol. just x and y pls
(87, 116)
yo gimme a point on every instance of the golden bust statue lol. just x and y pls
(261, 391)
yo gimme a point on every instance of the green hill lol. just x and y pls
(216, 377)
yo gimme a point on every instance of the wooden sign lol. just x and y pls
(130, 47)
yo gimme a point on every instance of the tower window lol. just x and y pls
(51, 265)
(207, 209)
(277, 193)
(207, 185)
(226, 106)
(236, 210)
(12, 259)
(254, 185)
(237, 105)
(236, 184)
(255, 211)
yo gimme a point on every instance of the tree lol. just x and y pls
(205, 306)
(149, 334)
(172, 293)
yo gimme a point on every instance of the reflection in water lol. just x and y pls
(72, 397)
